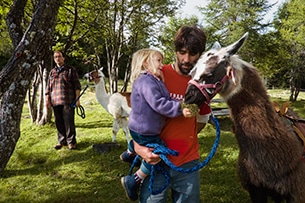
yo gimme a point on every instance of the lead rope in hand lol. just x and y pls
(79, 109)
(163, 151)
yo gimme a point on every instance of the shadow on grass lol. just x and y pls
(41, 163)
(98, 182)
(94, 124)
(84, 175)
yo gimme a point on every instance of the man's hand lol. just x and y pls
(48, 102)
(77, 103)
(147, 154)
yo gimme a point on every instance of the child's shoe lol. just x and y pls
(127, 157)
(130, 186)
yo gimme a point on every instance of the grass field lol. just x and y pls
(37, 172)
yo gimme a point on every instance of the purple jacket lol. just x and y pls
(151, 104)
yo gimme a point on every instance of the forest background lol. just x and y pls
(100, 33)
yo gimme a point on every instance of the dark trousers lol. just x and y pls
(64, 120)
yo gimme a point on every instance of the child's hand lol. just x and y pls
(187, 113)
(189, 110)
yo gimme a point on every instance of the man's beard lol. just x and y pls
(185, 71)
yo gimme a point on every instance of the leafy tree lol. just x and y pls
(30, 47)
(88, 33)
(291, 30)
(106, 33)
(6, 46)
(228, 20)
(131, 23)
(78, 26)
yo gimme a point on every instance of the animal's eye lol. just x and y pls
(210, 54)
(209, 75)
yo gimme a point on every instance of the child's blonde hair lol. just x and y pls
(138, 62)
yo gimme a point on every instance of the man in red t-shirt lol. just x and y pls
(179, 133)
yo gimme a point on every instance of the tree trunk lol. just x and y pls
(32, 93)
(45, 114)
(40, 103)
(16, 76)
(133, 42)
(126, 77)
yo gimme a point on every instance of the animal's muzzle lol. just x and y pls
(194, 96)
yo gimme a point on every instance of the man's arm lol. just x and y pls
(77, 93)
(77, 86)
(48, 101)
(146, 154)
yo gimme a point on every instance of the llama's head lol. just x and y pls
(95, 76)
(215, 72)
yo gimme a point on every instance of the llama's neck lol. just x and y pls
(248, 107)
(101, 94)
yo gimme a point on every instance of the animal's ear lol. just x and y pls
(233, 48)
(216, 46)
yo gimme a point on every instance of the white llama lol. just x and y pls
(116, 104)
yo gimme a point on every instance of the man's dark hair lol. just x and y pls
(192, 38)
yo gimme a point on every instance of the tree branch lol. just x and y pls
(14, 19)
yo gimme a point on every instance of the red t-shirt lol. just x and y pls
(180, 133)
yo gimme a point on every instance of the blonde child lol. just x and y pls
(151, 104)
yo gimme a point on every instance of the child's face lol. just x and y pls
(156, 65)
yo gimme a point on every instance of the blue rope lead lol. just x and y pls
(164, 151)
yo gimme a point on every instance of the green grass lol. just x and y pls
(37, 172)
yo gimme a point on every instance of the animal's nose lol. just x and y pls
(88, 76)
(188, 95)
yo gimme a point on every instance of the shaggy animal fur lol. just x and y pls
(117, 104)
(269, 162)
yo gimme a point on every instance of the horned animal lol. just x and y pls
(117, 104)
(270, 163)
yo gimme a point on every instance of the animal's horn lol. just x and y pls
(216, 46)
(233, 48)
